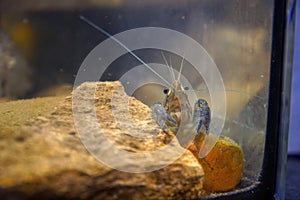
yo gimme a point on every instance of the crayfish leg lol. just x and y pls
(162, 117)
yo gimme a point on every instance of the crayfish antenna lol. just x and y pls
(172, 71)
(169, 67)
(92, 24)
(181, 66)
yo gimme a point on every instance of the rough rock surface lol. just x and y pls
(44, 158)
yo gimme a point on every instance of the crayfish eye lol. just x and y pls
(166, 91)
(186, 88)
(200, 103)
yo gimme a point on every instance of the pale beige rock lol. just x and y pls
(44, 158)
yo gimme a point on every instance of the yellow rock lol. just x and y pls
(223, 166)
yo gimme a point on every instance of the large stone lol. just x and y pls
(43, 157)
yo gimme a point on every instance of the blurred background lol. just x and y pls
(294, 137)
(53, 41)
(293, 164)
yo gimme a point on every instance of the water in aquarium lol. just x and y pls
(128, 99)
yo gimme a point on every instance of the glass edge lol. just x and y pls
(285, 99)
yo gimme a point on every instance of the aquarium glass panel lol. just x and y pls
(216, 51)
